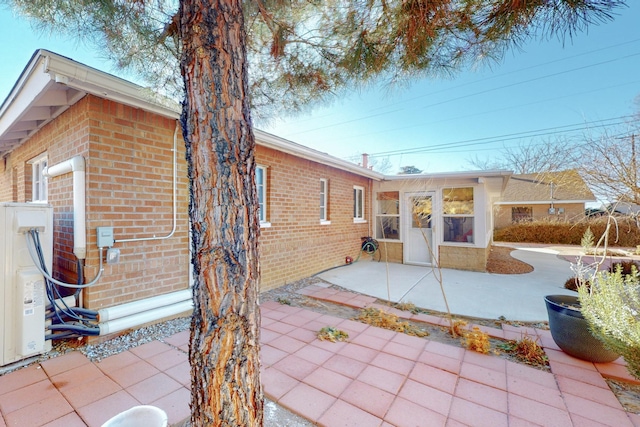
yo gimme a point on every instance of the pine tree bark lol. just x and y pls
(224, 344)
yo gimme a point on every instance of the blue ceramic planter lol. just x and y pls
(571, 332)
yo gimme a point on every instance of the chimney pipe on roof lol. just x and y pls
(365, 160)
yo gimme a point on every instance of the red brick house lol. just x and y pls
(70, 121)
(135, 181)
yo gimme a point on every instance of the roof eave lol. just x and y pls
(543, 202)
(497, 173)
(90, 80)
(268, 140)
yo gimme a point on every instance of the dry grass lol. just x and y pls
(476, 340)
(329, 333)
(381, 319)
(527, 350)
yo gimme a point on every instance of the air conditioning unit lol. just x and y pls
(22, 289)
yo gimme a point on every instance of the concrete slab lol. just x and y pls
(485, 295)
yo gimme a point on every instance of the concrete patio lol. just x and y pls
(469, 293)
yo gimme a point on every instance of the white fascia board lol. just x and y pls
(543, 202)
(453, 175)
(279, 144)
(104, 85)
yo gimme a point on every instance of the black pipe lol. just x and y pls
(83, 330)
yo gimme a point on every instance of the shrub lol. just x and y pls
(587, 240)
(573, 283)
(612, 308)
(623, 233)
(626, 267)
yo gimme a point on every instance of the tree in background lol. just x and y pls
(299, 51)
(609, 164)
(381, 164)
(532, 157)
(409, 170)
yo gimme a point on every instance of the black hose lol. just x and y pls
(81, 329)
(62, 314)
(80, 267)
(60, 336)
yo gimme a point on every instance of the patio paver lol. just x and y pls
(378, 378)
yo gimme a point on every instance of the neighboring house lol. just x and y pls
(551, 195)
(314, 208)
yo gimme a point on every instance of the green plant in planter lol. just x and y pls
(612, 307)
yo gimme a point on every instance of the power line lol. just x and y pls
(507, 137)
(492, 77)
(473, 94)
(511, 107)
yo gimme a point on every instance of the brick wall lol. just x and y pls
(61, 139)
(464, 258)
(297, 245)
(129, 187)
(391, 251)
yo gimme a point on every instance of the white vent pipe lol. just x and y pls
(148, 316)
(77, 166)
(134, 307)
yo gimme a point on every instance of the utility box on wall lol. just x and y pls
(22, 289)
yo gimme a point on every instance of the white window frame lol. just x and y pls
(358, 204)
(324, 202)
(382, 215)
(39, 185)
(465, 216)
(261, 189)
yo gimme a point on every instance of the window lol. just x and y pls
(324, 206)
(521, 214)
(457, 214)
(358, 204)
(38, 181)
(261, 187)
(388, 215)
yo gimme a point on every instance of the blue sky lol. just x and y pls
(544, 91)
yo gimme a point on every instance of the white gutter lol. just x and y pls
(77, 166)
(276, 143)
(541, 202)
(87, 79)
(453, 175)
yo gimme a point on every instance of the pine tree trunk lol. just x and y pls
(223, 351)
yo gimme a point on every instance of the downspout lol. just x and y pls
(77, 166)
(175, 197)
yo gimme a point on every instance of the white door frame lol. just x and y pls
(415, 249)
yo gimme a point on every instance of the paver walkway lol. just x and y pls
(377, 378)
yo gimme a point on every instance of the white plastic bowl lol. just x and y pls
(139, 416)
